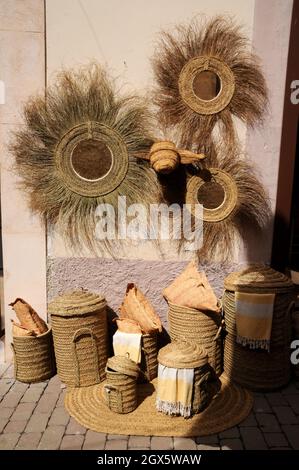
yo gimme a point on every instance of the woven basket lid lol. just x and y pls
(258, 277)
(79, 302)
(182, 355)
(123, 365)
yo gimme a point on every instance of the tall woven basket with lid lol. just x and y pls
(259, 369)
(120, 390)
(202, 328)
(80, 333)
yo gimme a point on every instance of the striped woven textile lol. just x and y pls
(174, 394)
(127, 344)
(254, 313)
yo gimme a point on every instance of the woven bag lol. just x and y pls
(34, 359)
(120, 390)
(258, 369)
(186, 355)
(202, 328)
(79, 323)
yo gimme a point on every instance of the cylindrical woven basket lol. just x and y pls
(186, 355)
(120, 390)
(259, 370)
(199, 327)
(34, 359)
(149, 361)
(80, 332)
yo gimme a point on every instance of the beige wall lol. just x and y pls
(22, 69)
(121, 35)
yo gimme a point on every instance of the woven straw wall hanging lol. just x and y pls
(232, 198)
(78, 150)
(206, 73)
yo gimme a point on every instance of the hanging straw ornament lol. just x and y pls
(78, 150)
(232, 198)
(206, 73)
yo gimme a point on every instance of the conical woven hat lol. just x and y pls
(123, 365)
(258, 277)
(182, 355)
(79, 302)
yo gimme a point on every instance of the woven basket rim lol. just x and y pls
(195, 310)
(42, 335)
(122, 365)
(76, 303)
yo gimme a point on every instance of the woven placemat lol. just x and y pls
(231, 406)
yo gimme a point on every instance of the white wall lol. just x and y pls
(22, 68)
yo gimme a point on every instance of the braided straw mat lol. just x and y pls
(231, 406)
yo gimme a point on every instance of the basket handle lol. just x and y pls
(219, 331)
(78, 334)
(111, 388)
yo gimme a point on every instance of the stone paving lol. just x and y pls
(33, 417)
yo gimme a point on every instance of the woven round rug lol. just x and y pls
(229, 407)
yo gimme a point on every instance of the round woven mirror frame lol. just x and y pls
(96, 131)
(227, 84)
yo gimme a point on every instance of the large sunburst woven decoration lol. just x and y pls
(78, 150)
(233, 200)
(206, 73)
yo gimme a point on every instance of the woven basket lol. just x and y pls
(120, 391)
(34, 359)
(198, 327)
(149, 361)
(185, 355)
(79, 323)
(258, 369)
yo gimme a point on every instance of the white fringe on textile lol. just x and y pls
(173, 408)
(254, 343)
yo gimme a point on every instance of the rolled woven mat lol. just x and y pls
(231, 406)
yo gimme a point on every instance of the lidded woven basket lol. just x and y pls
(80, 333)
(259, 369)
(200, 327)
(186, 355)
(34, 359)
(120, 389)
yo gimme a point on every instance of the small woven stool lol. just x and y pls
(185, 355)
(79, 323)
(120, 391)
(258, 369)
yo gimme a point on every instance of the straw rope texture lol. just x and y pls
(149, 361)
(218, 44)
(34, 359)
(83, 104)
(80, 332)
(120, 390)
(255, 369)
(197, 327)
(231, 406)
(245, 209)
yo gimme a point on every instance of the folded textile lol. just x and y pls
(192, 289)
(127, 344)
(175, 388)
(254, 313)
(28, 317)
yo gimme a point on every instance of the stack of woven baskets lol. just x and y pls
(259, 369)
